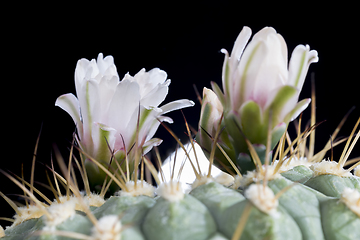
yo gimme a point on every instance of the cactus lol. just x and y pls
(272, 188)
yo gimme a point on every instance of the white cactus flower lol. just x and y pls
(260, 72)
(106, 110)
(258, 84)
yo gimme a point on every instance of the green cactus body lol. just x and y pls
(211, 212)
(299, 174)
(260, 225)
(216, 198)
(306, 213)
(22, 230)
(77, 223)
(338, 221)
(132, 209)
(332, 185)
(184, 219)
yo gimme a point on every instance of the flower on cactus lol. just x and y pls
(259, 87)
(109, 113)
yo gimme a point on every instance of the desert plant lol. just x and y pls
(275, 187)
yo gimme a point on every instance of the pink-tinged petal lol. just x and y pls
(165, 119)
(230, 63)
(146, 119)
(226, 74)
(239, 46)
(273, 70)
(154, 125)
(85, 70)
(153, 86)
(281, 101)
(218, 93)
(212, 98)
(275, 44)
(176, 105)
(102, 65)
(123, 105)
(107, 68)
(105, 63)
(92, 70)
(299, 108)
(157, 76)
(148, 124)
(70, 104)
(156, 95)
(300, 60)
(80, 72)
(150, 144)
(90, 106)
(245, 75)
(107, 89)
(148, 80)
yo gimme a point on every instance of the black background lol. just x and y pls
(43, 43)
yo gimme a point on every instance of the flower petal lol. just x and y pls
(212, 98)
(218, 93)
(107, 89)
(300, 60)
(243, 79)
(70, 104)
(90, 106)
(165, 119)
(156, 76)
(153, 86)
(239, 46)
(80, 72)
(230, 63)
(124, 103)
(282, 101)
(205, 126)
(226, 73)
(151, 78)
(176, 105)
(156, 95)
(272, 70)
(106, 65)
(150, 144)
(299, 108)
